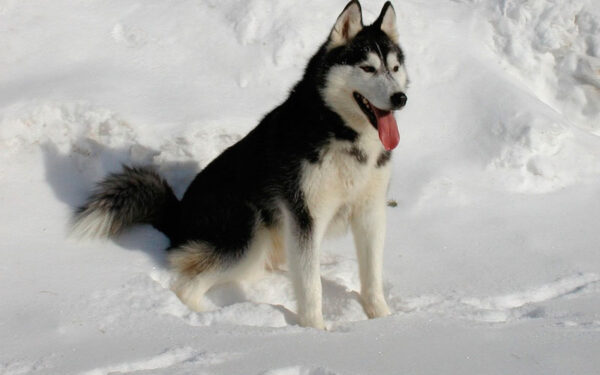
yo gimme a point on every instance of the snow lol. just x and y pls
(492, 261)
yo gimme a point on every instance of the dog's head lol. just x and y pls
(365, 80)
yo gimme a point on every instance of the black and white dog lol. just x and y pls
(318, 161)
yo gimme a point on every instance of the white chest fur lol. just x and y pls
(345, 175)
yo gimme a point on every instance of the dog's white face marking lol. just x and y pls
(397, 70)
(374, 61)
(376, 86)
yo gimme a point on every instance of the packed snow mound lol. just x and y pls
(514, 104)
(554, 46)
(93, 142)
(542, 155)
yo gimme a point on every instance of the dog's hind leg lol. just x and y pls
(200, 267)
(191, 290)
(276, 255)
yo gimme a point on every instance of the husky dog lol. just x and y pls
(318, 161)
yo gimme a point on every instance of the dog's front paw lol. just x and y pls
(375, 307)
(311, 320)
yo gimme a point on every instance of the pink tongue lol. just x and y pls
(388, 129)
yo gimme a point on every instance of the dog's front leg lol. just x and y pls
(303, 245)
(368, 228)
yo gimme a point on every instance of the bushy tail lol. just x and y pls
(138, 195)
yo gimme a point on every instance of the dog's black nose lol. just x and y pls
(398, 100)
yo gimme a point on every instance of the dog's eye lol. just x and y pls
(368, 68)
(395, 69)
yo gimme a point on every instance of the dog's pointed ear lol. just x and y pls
(387, 21)
(348, 24)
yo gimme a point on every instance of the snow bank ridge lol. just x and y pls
(555, 46)
(503, 308)
(170, 357)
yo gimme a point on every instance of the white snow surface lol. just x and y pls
(492, 262)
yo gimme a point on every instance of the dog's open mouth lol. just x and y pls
(382, 120)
